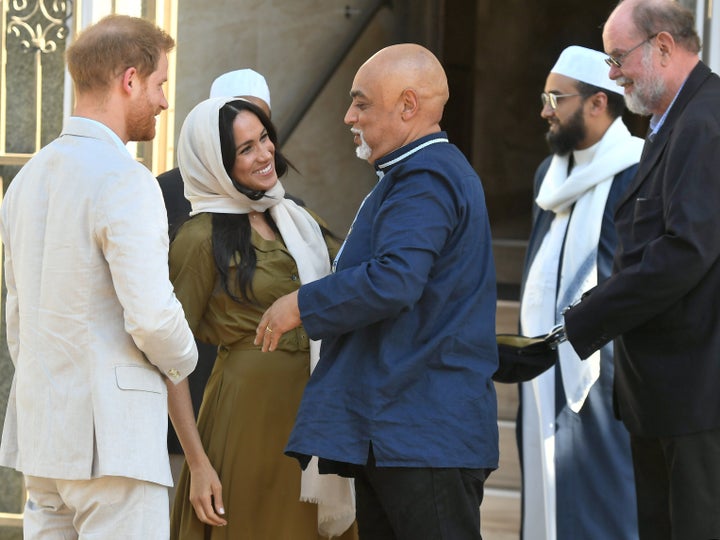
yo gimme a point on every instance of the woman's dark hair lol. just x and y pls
(231, 232)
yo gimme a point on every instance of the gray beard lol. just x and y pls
(647, 95)
(363, 151)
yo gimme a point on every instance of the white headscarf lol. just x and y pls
(209, 189)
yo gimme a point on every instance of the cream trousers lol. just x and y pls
(106, 508)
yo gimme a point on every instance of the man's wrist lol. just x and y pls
(556, 336)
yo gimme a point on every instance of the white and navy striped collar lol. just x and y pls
(408, 150)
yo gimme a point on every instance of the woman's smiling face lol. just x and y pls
(254, 165)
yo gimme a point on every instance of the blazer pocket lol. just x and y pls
(648, 222)
(139, 378)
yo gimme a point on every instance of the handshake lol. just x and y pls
(523, 358)
(556, 336)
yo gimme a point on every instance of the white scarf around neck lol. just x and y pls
(209, 189)
(587, 188)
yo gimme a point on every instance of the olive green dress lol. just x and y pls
(251, 398)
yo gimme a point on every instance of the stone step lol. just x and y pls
(507, 315)
(500, 514)
(10, 520)
(509, 256)
(501, 506)
(507, 476)
(507, 396)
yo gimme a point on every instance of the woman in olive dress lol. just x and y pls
(244, 246)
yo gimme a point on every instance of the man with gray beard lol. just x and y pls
(659, 304)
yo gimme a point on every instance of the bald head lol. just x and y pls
(412, 66)
(399, 95)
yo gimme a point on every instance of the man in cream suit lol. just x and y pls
(93, 326)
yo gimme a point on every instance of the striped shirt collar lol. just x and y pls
(383, 164)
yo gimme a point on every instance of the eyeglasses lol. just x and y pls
(617, 61)
(548, 98)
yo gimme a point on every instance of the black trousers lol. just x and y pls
(403, 503)
(677, 480)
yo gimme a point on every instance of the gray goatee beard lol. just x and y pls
(363, 151)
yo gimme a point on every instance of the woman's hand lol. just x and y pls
(282, 316)
(205, 487)
(206, 494)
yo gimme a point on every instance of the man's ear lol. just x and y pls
(130, 77)
(666, 43)
(598, 103)
(409, 101)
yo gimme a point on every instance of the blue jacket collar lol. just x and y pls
(385, 163)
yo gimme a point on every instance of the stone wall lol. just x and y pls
(293, 44)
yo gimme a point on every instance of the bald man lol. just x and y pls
(402, 397)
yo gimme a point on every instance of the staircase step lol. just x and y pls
(507, 397)
(501, 505)
(509, 258)
(500, 514)
(507, 315)
(507, 476)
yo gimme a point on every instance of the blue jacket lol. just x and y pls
(407, 323)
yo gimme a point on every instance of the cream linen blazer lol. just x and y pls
(92, 320)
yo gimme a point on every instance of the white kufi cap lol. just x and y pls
(586, 65)
(242, 82)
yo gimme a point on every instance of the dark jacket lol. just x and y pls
(660, 303)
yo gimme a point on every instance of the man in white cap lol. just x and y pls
(250, 85)
(576, 461)
(244, 83)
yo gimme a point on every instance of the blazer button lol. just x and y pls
(173, 373)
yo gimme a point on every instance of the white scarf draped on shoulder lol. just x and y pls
(209, 189)
(587, 188)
